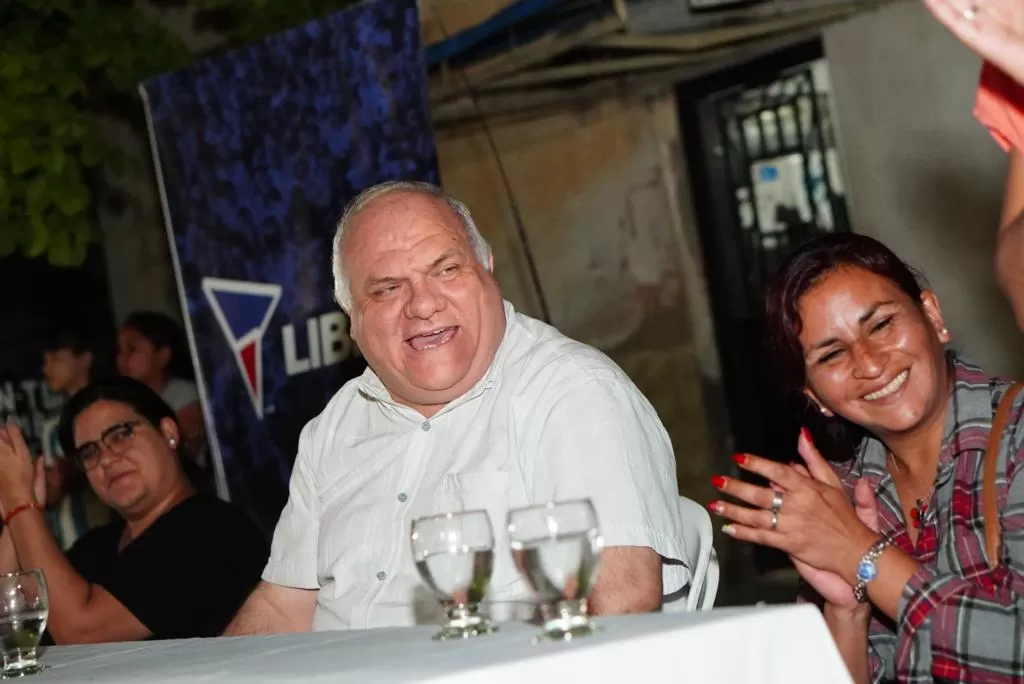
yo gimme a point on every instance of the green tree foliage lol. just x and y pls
(62, 63)
(247, 20)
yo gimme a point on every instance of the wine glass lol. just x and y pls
(454, 554)
(24, 608)
(557, 547)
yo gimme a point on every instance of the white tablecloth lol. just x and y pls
(768, 645)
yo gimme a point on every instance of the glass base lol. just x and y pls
(23, 671)
(449, 632)
(463, 623)
(20, 665)
(565, 621)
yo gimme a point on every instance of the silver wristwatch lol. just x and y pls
(867, 569)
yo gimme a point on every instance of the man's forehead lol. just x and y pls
(394, 223)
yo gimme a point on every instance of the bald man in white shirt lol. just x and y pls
(466, 404)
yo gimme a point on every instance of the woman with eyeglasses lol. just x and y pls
(177, 564)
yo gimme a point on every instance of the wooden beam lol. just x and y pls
(730, 56)
(621, 9)
(522, 57)
(702, 40)
(661, 17)
(474, 108)
(594, 69)
(468, 110)
(683, 50)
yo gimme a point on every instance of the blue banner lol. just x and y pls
(257, 153)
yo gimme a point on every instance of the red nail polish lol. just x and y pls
(806, 434)
(718, 482)
(715, 506)
(740, 459)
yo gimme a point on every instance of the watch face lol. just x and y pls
(867, 571)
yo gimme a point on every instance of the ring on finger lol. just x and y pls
(775, 520)
(776, 502)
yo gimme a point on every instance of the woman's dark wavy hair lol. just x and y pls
(801, 271)
(123, 390)
(162, 332)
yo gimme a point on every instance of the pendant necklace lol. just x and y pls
(920, 504)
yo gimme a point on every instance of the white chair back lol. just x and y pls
(698, 536)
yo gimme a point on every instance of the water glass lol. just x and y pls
(454, 555)
(24, 608)
(557, 547)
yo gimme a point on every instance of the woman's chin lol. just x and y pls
(896, 423)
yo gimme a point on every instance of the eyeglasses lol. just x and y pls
(116, 438)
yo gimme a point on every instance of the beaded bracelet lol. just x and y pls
(18, 509)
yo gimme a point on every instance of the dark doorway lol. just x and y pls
(764, 166)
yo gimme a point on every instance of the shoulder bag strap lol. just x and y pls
(990, 508)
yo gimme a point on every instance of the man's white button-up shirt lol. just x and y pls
(553, 419)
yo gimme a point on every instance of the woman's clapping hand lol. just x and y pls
(817, 525)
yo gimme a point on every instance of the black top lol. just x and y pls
(186, 575)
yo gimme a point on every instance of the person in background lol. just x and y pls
(177, 564)
(893, 540)
(466, 404)
(72, 508)
(995, 30)
(152, 350)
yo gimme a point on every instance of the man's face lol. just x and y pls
(427, 315)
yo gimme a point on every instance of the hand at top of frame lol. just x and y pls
(992, 28)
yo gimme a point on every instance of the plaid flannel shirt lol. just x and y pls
(958, 621)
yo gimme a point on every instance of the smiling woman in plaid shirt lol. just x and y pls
(894, 540)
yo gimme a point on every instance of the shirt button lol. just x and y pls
(425, 426)
(402, 497)
(381, 575)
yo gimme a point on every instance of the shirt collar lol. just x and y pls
(969, 405)
(371, 386)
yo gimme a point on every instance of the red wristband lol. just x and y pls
(18, 509)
